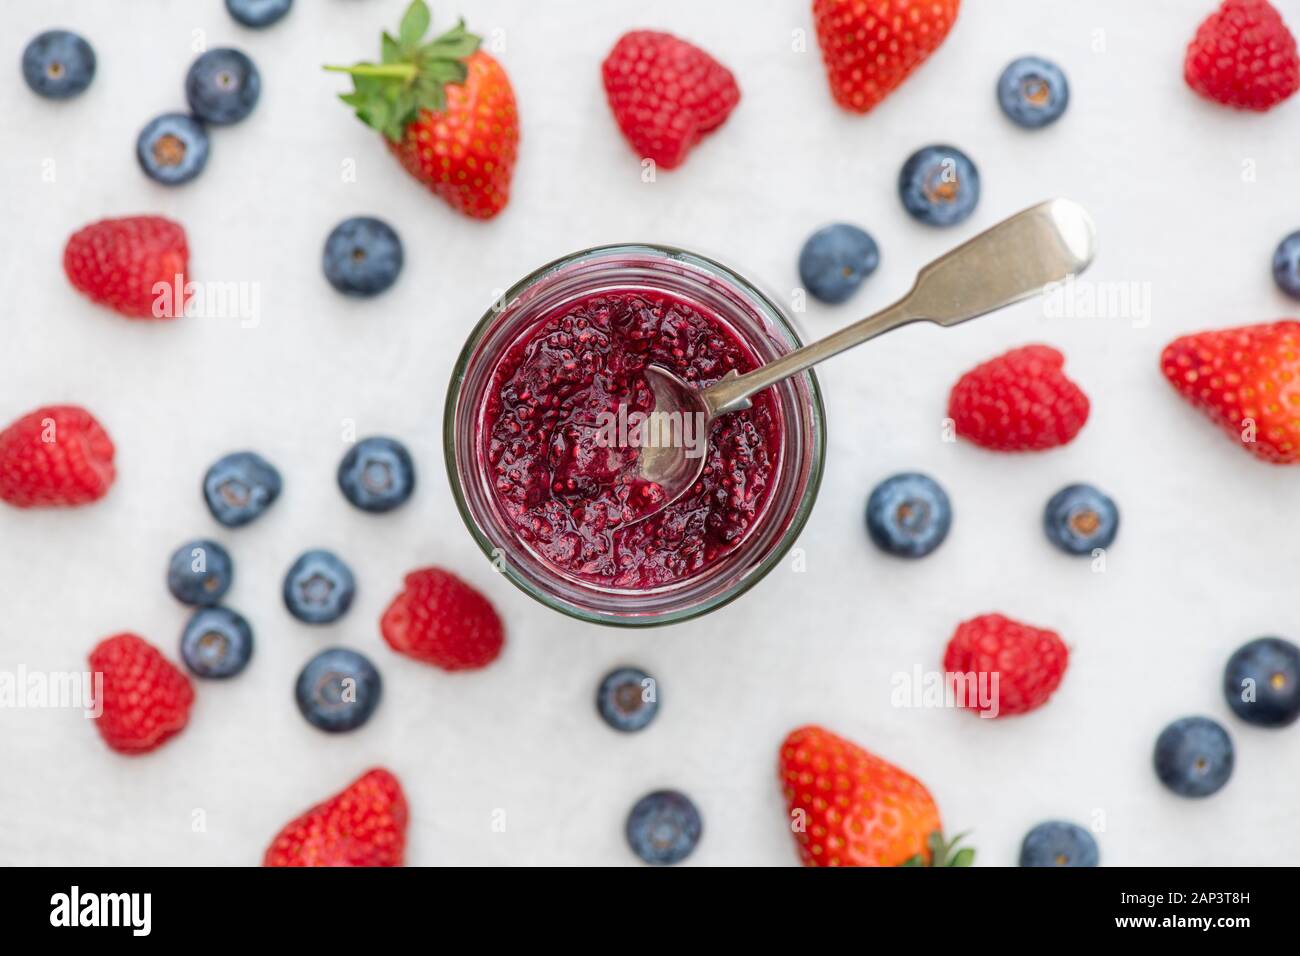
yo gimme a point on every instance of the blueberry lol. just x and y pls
(362, 256)
(1262, 682)
(172, 148)
(1286, 265)
(628, 699)
(258, 13)
(338, 690)
(1079, 518)
(319, 588)
(664, 827)
(1193, 756)
(58, 64)
(1057, 843)
(377, 474)
(222, 86)
(217, 642)
(908, 515)
(939, 185)
(200, 572)
(1033, 92)
(239, 487)
(835, 260)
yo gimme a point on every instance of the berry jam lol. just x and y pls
(572, 496)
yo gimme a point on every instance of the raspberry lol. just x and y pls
(666, 94)
(57, 455)
(145, 699)
(1029, 662)
(364, 825)
(1243, 56)
(1020, 401)
(441, 620)
(119, 262)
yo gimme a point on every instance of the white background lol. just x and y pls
(1206, 557)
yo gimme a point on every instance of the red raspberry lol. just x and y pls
(1020, 401)
(146, 699)
(1246, 381)
(441, 620)
(365, 825)
(56, 455)
(1029, 662)
(118, 262)
(666, 94)
(1243, 56)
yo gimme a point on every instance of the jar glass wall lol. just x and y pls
(752, 319)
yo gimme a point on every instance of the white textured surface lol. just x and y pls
(1206, 557)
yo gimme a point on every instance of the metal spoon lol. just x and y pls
(1010, 262)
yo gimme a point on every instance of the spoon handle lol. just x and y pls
(1010, 262)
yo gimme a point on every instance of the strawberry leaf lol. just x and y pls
(411, 75)
(456, 44)
(415, 24)
(941, 852)
(964, 857)
(430, 96)
(375, 112)
(390, 51)
(443, 72)
(405, 106)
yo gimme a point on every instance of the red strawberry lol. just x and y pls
(666, 94)
(872, 46)
(848, 807)
(446, 109)
(1247, 380)
(146, 699)
(1029, 663)
(441, 620)
(121, 262)
(56, 455)
(1020, 401)
(365, 825)
(1243, 56)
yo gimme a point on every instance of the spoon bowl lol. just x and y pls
(1018, 258)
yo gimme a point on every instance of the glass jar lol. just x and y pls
(752, 317)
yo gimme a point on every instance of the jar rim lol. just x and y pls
(797, 515)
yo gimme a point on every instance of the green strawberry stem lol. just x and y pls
(412, 74)
(404, 71)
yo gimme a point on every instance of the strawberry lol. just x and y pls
(132, 265)
(1243, 56)
(57, 455)
(145, 698)
(1020, 401)
(446, 109)
(365, 825)
(441, 620)
(1029, 663)
(1246, 380)
(871, 46)
(848, 807)
(666, 94)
